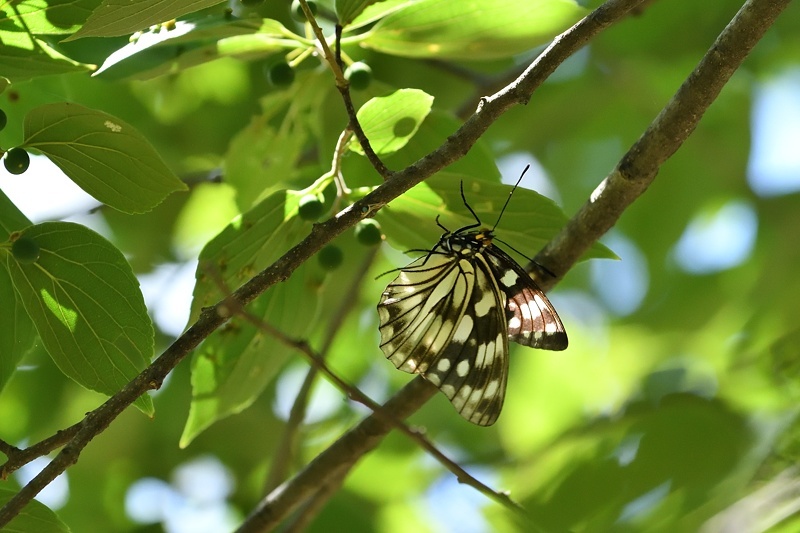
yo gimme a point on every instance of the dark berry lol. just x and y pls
(330, 257)
(359, 75)
(310, 207)
(280, 74)
(368, 232)
(17, 160)
(25, 250)
(297, 11)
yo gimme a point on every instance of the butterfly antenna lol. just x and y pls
(507, 199)
(464, 199)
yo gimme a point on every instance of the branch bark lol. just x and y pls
(639, 166)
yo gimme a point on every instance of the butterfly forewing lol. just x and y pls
(420, 311)
(445, 319)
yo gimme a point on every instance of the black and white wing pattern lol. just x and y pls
(450, 314)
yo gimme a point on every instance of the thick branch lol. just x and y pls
(337, 459)
(638, 168)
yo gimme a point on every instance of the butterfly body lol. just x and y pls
(450, 314)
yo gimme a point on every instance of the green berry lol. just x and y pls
(330, 257)
(280, 74)
(25, 250)
(359, 75)
(310, 207)
(17, 161)
(3, 119)
(297, 11)
(368, 232)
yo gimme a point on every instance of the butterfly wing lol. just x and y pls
(532, 319)
(444, 317)
(421, 309)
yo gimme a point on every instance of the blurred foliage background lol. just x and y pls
(675, 407)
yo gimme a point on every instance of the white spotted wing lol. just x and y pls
(450, 314)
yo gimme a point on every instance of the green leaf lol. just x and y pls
(18, 334)
(477, 30)
(377, 11)
(54, 17)
(390, 121)
(262, 157)
(105, 156)
(347, 10)
(122, 17)
(35, 517)
(87, 307)
(11, 218)
(528, 223)
(196, 40)
(232, 367)
(24, 57)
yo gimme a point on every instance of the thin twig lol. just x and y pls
(18, 458)
(284, 450)
(343, 86)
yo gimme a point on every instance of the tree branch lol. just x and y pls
(638, 167)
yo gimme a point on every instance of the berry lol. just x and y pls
(330, 257)
(25, 250)
(297, 11)
(310, 207)
(359, 75)
(368, 232)
(17, 161)
(280, 74)
(3, 119)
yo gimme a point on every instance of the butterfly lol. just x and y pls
(450, 314)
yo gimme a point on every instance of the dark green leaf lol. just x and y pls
(234, 364)
(35, 517)
(104, 155)
(18, 334)
(87, 307)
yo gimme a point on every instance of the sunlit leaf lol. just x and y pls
(390, 121)
(104, 155)
(347, 10)
(87, 307)
(121, 17)
(193, 41)
(455, 29)
(24, 57)
(51, 17)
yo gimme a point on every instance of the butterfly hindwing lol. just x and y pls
(532, 319)
(472, 371)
